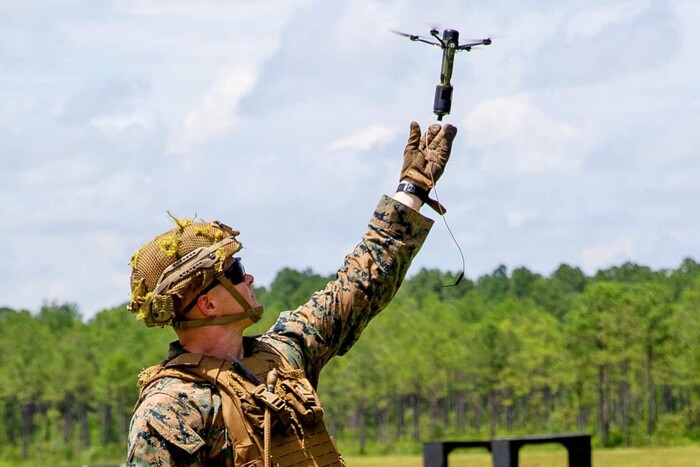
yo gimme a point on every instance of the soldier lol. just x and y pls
(224, 399)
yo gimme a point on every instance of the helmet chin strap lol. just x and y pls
(254, 313)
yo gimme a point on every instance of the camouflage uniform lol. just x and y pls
(180, 423)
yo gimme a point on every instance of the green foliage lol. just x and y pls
(523, 282)
(494, 286)
(614, 355)
(569, 279)
(629, 272)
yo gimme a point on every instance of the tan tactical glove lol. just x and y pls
(425, 157)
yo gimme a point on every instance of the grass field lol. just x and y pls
(643, 457)
(529, 457)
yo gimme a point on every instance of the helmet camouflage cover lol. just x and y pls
(171, 270)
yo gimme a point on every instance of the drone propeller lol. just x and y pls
(474, 43)
(486, 41)
(416, 38)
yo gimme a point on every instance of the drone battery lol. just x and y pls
(443, 100)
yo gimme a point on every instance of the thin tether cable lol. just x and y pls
(444, 216)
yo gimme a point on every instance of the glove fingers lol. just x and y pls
(433, 131)
(425, 156)
(413, 136)
(447, 133)
(445, 148)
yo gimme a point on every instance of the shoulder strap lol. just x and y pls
(201, 368)
(263, 358)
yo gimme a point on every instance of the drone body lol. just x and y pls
(449, 43)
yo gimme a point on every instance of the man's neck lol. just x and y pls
(215, 341)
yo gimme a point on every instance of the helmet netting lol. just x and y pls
(149, 262)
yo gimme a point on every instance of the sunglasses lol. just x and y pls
(235, 272)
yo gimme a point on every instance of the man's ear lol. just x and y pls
(206, 304)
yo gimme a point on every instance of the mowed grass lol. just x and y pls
(688, 456)
(529, 457)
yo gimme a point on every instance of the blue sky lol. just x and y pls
(578, 133)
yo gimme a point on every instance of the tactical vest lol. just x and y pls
(298, 434)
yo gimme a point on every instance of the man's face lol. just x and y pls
(246, 289)
(228, 305)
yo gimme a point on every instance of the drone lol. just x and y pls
(449, 43)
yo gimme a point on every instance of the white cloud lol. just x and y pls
(512, 135)
(604, 254)
(208, 10)
(215, 114)
(113, 125)
(74, 169)
(295, 104)
(86, 256)
(365, 139)
(589, 23)
(516, 218)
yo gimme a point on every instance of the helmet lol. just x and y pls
(170, 271)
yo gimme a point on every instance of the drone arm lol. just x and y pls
(425, 41)
(469, 45)
(436, 34)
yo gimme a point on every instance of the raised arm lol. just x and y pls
(332, 320)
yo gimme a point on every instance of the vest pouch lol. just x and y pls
(303, 401)
(254, 402)
(247, 456)
(253, 412)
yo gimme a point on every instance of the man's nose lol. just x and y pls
(249, 279)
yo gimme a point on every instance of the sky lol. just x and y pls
(578, 139)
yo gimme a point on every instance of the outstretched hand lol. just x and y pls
(425, 156)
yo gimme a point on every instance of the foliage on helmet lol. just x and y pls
(171, 251)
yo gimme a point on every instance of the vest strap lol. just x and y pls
(270, 399)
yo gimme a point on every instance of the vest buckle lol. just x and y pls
(270, 399)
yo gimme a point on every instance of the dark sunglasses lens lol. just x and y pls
(236, 272)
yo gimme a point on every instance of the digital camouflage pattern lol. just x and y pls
(173, 422)
(180, 423)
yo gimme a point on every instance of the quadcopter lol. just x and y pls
(449, 43)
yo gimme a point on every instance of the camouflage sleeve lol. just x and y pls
(171, 424)
(332, 320)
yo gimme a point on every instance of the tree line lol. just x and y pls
(614, 354)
